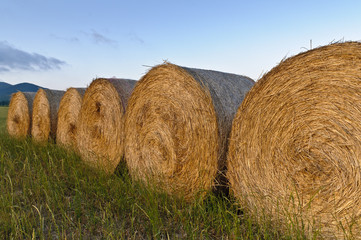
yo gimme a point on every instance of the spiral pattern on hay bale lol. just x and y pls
(18, 123)
(176, 127)
(68, 114)
(100, 136)
(45, 114)
(295, 144)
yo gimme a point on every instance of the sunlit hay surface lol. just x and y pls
(18, 121)
(68, 114)
(45, 114)
(100, 138)
(295, 144)
(176, 127)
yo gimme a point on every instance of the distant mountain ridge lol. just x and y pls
(7, 89)
(4, 85)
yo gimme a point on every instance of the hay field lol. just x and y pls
(49, 193)
(291, 159)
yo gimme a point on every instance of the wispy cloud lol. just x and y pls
(12, 58)
(4, 69)
(134, 37)
(99, 38)
(68, 39)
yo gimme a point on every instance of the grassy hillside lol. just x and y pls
(48, 193)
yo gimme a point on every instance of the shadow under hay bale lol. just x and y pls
(68, 113)
(45, 114)
(18, 121)
(177, 124)
(100, 136)
(295, 144)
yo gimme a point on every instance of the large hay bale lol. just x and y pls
(69, 109)
(295, 144)
(45, 114)
(177, 124)
(101, 122)
(18, 121)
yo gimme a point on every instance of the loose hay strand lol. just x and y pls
(68, 114)
(45, 114)
(295, 142)
(18, 121)
(176, 126)
(100, 137)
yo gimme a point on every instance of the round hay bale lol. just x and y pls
(295, 143)
(177, 124)
(68, 113)
(18, 121)
(101, 125)
(45, 114)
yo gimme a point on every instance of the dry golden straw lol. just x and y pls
(176, 128)
(18, 121)
(101, 122)
(68, 113)
(295, 144)
(45, 114)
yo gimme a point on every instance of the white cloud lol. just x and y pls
(12, 58)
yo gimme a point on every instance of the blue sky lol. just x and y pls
(65, 43)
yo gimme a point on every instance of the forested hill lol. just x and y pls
(7, 89)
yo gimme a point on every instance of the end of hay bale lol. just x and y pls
(45, 112)
(40, 130)
(172, 134)
(101, 124)
(295, 144)
(68, 113)
(18, 119)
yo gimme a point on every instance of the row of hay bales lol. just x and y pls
(290, 146)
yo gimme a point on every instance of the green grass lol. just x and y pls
(3, 115)
(48, 193)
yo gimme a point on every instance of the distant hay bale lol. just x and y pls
(18, 121)
(101, 124)
(295, 144)
(68, 113)
(45, 112)
(177, 124)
